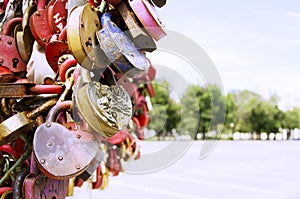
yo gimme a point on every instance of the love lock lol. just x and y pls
(57, 15)
(43, 187)
(59, 152)
(140, 38)
(83, 23)
(106, 109)
(39, 25)
(148, 16)
(121, 52)
(56, 48)
(23, 36)
(9, 56)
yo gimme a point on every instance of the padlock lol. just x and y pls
(121, 52)
(159, 3)
(142, 40)
(138, 129)
(23, 37)
(106, 109)
(148, 16)
(56, 48)
(39, 25)
(113, 163)
(83, 23)
(57, 15)
(59, 152)
(9, 56)
(42, 187)
(22, 122)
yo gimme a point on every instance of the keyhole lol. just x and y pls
(15, 62)
(89, 42)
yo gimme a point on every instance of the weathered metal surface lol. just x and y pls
(142, 40)
(119, 49)
(148, 16)
(106, 109)
(14, 126)
(43, 187)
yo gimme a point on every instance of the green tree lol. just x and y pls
(165, 115)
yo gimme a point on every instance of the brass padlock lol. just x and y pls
(11, 128)
(83, 23)
(59, 152)
(106, 109)
(23, 36)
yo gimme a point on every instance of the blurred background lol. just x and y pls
(252, 148)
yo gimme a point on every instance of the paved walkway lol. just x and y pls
(233, 170)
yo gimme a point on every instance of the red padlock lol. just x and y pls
(57, 48)
(58, 15)
(9, 56)
(39, 25)
(138, 129)
(99, 178)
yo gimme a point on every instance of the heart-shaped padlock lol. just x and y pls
(59, 152)
(106, 109)
(9, 56)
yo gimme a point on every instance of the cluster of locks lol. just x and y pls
(75, 88)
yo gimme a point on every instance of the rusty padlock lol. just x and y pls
(106, 109)
(121, 52)
(148, 16)
(59, 152)
(39, 25)
(42, 187)
(140, 37)
(9, 56)
(23, 36)
(83, 22)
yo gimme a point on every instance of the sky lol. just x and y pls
(254, 45)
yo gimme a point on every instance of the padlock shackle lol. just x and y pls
(10, 25)
(58, 108)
